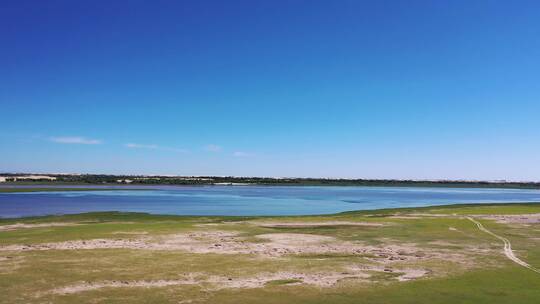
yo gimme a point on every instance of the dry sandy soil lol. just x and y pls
(326, 279)
(270, 245)
(317, 224)
(26, 226)
(533, 218)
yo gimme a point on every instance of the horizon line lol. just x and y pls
(492, 181)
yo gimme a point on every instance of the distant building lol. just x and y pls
(2, 179)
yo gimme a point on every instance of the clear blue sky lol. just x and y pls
(370, 89)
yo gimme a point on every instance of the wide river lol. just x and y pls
(249, 200)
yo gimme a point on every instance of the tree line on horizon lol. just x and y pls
(212, 180)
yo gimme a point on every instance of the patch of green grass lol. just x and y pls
(459, 209)
(115, 216)
(384, 276)
(283, 282)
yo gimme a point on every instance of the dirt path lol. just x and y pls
(507, 246)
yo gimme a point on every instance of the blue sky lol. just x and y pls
(369, 89)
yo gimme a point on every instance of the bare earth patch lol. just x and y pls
(533, 218)
(317, 224)
(444, 243)
(411, 274)
(26, 226)
(271, 246)
(322, 280)
(280, 244)
(76, 245)
(288, 239)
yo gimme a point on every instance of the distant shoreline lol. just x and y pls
(58, 189)
(282, 183)
(113, 180)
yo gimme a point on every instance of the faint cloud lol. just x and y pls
(213, 148)
(153, 147)
(75, 140)
(241, 154)
(140, 146)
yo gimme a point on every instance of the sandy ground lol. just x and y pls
(26, 226)
(533, 218)
(316, 224)
(272, 245)
(326, 279)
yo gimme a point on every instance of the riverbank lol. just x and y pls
(408, 255)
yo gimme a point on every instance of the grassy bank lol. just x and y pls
(353, 257)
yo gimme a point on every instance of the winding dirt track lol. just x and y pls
(507, 246)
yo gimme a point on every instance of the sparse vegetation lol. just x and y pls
(438, 257)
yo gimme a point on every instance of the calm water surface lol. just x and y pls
(249, 200)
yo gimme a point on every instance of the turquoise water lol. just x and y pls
(249, 200)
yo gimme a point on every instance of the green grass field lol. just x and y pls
(412, 255)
